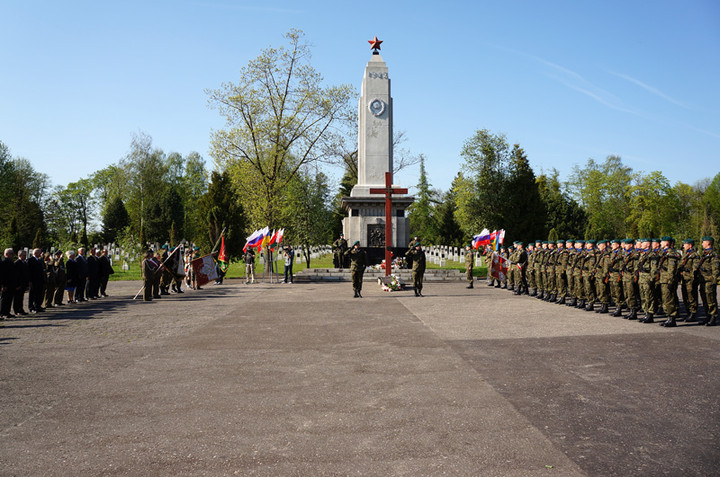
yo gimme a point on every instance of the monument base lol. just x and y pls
(366, 221)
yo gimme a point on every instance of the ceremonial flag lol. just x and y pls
(223, 259)
(251, 241)
(498, 267)
(205, 269)
(268, 239)
(263, 233)
(280, 234)
(481, 239)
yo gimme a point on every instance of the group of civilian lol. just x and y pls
(46, 277)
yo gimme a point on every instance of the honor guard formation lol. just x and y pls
(638, 278)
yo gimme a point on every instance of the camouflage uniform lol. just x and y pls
(358, 263)
(615, 278)
(709, 274)
(688, 270)
(667, 277)
(561, 262)
(646, 268)
(589, 268)
(629, 279)
(570, 276)
(578, 275)
(539, 260)
(602, 272)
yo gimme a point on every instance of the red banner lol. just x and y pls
(204, 269)
(498, 267)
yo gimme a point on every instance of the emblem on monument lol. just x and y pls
(377, 107)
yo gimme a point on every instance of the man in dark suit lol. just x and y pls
(22, 276)
(105, 271)
(8, 284)
(82, 272)
(37, 281)
(93, 281)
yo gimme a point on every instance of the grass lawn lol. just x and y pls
(237, 269)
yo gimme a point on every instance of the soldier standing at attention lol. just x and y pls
(469, 262)
(688, 269)
(511, 256)
(550, 259)
(667, 277)
(340, 246)
(615, 276)
(655, 247)
(589, 268)
(520, 269)
(561, 261)
(602, 267)
(577, 275)
(530, 274)
(418, 267)
(358, 262)
(645, 280)
(569, 276)
(709, 274)
(540, 250)
(629, 278)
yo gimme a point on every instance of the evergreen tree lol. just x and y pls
(524, 218)
(421, 213)
(115, 220)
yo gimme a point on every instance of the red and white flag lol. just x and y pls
(205, 269)
(498, 267)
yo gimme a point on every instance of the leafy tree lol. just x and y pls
(654, 206)
(711, 208)
(603, 191)
(279, 118)
(79, 197)
(449, 231)
(306, 211)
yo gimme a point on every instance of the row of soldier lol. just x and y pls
(634, 275)
(45, 277)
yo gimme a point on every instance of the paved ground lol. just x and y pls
(305, 380)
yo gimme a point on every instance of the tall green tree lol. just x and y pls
(115, 220)
(279, 117)
(654, 206)
(423, 221)
(480, 187)
(603, 190)
(524, 216)
(449, 231)
(562, 213)
(220, 208)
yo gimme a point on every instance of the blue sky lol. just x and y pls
(567, 80)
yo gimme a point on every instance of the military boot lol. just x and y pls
(603, 308)
(691, 318)
(534, 292)
(356, 294)
(618, 311)
(573, 301)
(648, 318)
(712, 322)
(590, 306)
(561, 301)
(632, 315)
(470, 286)
(580, 304)
(669, 323)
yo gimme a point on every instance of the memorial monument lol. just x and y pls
(367, 219)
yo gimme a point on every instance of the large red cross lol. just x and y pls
(388, 191)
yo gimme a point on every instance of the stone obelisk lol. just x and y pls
(366, 218)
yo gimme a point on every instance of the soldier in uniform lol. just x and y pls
(667, 277)
(530, 273)
(709, 275)
(629, 278)
(511, 256)
(615, 276)
(589, 268)
(504, 254)
(655, 247)
(340, 246)
(550, 260)
(645, 274)
(469, 262)
(579, 301)
(601, 273)
(166, 275)
(148, 269)
(540, 250)
(561, 262)
(688, 271)
(418, 268)
(358, 262)
(249, 258)
(520, 269)
(411, 245)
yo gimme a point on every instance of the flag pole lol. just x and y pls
(159, 268)
(218, 240)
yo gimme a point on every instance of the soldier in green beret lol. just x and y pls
(579, 287)
(709, 275)
(418, 267)
(645, 273)
(540, 250)
(687, 270)
(519, 269)
(589, 269)
(549, 270)
(530, 273)
(602, 274)
(358, 263)
(667, 277)
(629, 278)
(561, 263)
(615, 276)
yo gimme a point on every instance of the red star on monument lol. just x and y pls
(375, 43)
